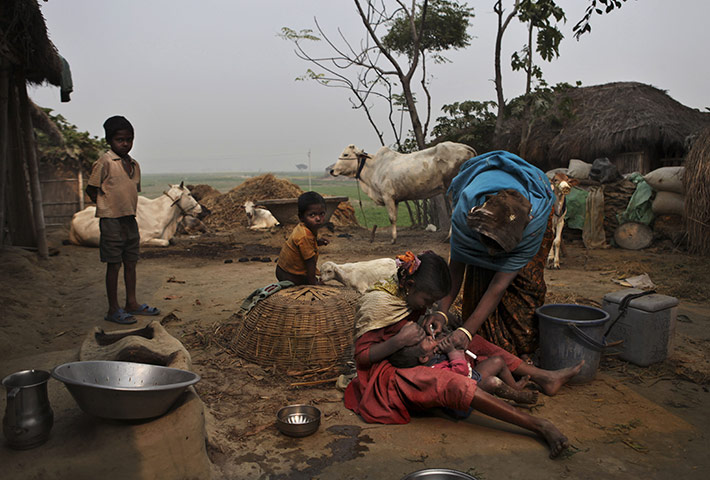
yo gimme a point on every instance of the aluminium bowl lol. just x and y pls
(123, 390)
(298, 420)
(438, 474)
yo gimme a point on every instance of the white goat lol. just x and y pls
(258, 217)
(359, 275)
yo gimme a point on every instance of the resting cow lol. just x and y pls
(561, 185)
(359, 275)
(390, 177)
(157, 219)
(258, 217)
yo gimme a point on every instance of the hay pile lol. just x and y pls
(227, 210)
(697, 200)
(203, 192)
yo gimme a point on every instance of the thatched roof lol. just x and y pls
(696, 181)
(24, 42)
(602, 121)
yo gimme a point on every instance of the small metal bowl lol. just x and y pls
(298, 420)
(438, 474)
(123, 390)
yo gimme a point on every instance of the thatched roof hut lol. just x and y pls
(26, 56)
(696, 181)
(24, 42)
(637, 126)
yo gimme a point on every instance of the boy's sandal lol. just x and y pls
(120, 316)
(145, 310)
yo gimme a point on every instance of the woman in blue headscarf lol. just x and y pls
(502, 209)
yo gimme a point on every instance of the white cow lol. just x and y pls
(561, 185)
(359, 275)
(157, 219)
(390, 177)
(259, 217)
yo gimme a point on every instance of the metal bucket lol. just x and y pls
(571, 333)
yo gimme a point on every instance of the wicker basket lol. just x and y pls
(303, 327)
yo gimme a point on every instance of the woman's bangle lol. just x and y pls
(468, 334)
(446, 318)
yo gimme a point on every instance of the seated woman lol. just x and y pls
(386, 322)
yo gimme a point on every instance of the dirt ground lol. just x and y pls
(630, 422)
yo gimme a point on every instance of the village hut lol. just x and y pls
(696, 181)
(26, 56)
(637, 126)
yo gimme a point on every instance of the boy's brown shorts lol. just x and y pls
(120, 239)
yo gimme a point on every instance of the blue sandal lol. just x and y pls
(120, 316)
(145, 310)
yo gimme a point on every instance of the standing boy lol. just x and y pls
(114, 185)
(299, 255)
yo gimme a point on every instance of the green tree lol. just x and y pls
(584, 25)
(538, 15)
(78, 146)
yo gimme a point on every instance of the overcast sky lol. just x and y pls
(210, 87)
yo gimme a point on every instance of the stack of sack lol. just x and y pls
(668, 204)
(670, 194)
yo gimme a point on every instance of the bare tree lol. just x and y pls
(385, 65)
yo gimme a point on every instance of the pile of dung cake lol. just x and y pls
(227, 212)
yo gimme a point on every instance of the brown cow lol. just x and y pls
(561, 185)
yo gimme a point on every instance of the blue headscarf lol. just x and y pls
(488, 174)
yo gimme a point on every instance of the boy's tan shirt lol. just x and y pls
(300, 246)
(118, 192)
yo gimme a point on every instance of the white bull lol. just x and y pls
(359, 275)
(258, 217)
(390, 177)
(157, 219)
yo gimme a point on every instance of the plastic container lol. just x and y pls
(569, 334)
(647, 327)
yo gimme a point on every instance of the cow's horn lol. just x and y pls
(182, 184)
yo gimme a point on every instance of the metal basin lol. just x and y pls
(124, 390)
(285, 210)
(438, 474)
(298, 420)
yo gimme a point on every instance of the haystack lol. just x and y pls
(227, 212)
(697, 199)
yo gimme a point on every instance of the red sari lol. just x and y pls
(381, 393)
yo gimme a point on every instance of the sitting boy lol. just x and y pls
(299, 255)
(490, 373)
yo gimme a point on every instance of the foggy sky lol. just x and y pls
(209, 86)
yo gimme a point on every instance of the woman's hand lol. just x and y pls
(456, 340)
(411, 334)
(434, 323)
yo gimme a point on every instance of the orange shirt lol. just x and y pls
(301, 246)
(118, 191)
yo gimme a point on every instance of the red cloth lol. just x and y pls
(381, 393)
(457, 365)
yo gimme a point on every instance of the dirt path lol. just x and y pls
(630, 422)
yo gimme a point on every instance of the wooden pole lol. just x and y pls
(80, 181)
(32, 167)
(4, 143)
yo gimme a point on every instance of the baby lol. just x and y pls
(490, 373)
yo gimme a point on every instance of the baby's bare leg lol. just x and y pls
(495, 386)
(495, 367)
